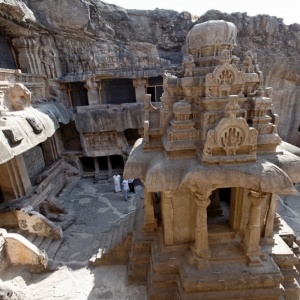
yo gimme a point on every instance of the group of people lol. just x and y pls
(128, 185)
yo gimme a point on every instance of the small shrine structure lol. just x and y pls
(213, 166)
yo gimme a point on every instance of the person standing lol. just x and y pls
(117, 182)
(131, 186)
(126, 189)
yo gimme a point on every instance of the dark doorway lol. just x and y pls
(70, 136)
(7, 59)
(102, 161)
(87, 164)
(117, 162)
(79, 94)
(132, 135)
(219, 209)
(1, 196)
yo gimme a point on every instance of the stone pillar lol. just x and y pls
(252, 233)
(201, 247)
(96, 165)
(109, 166)
(167, 216)
(269, 227)
(140, 89)
(150, 223)
(93, 92)
(14, 179)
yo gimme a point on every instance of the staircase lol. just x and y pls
(115, 244)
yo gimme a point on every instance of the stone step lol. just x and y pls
(113, 243)
(53, 248)
(221, 237)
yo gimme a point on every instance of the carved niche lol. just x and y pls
(232, 140)
(224, 76)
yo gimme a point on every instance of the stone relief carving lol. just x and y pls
(188, 65)
(101, 139)
(232, 134)
(19, 96)
(48, 57)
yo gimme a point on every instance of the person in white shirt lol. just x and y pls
(117, 182)
(125, 189)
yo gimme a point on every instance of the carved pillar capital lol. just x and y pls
(256, 197)
(139, 82)
(201, 200)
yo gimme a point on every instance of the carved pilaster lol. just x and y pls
(201, 247)
(150, 223)
(93, 92)
(167, 212)
(140, 89)
(252, 233)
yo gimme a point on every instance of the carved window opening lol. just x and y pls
(88, 164)
(117, 91)
(155, 88)
(299, 129)
(117, 162)
(79, 94)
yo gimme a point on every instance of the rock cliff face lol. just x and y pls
(92, 37)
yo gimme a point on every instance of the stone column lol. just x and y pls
(14, 178)
(96, 164)
(167, 216)
(93, 93)
(150, 223)
(109, 166)
(201, 247)
(140, 89)
(269, 228)
(252, 233)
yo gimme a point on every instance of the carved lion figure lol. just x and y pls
(19, 96)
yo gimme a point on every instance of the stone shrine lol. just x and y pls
(88, 89)
(212, 168)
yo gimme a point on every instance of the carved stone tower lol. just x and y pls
(212, 156)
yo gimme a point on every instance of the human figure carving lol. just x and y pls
(47, 56)
(188, 64)
(19, 96)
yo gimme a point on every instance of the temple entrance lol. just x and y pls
(102, 162)
(117, 162)
(219, 209)
(87, 164)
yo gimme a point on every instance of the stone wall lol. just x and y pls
(34, 160)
